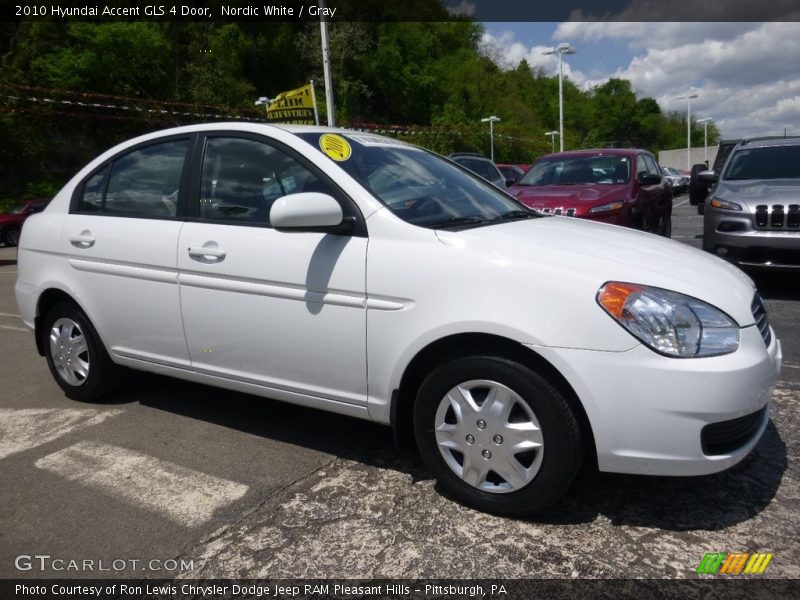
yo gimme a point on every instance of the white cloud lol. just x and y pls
(508, 53)
(747, 75)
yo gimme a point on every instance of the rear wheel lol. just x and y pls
(75, 355)
(496, 435)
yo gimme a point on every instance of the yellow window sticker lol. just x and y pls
(335, 146)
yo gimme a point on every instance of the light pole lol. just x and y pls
(491, 120)
(562, 49)
(688, 98)
(705, 135)
(552, 135)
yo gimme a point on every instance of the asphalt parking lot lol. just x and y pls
(175, 479)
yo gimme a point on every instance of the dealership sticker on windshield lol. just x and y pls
(335, 146)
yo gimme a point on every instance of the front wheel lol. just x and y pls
(75, 355)
(496, 435)
(11, 237)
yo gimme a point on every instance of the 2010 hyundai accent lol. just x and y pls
(358, 274)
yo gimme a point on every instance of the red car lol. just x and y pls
(12, 218)
(619, 186)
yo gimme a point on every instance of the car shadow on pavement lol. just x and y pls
(709, 502)
(671, 503)
(7, 262)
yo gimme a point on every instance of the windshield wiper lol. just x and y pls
(514, 215)
(455, 221)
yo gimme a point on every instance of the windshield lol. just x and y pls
(574, 170)
(418, 186)
(776, 162)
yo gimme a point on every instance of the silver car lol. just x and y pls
(752, 214)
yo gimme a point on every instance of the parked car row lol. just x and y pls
(361, 275)
(677, 179)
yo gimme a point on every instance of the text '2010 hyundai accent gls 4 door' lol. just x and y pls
(361, 275)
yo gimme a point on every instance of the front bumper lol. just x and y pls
(733, 236)
(648, 412)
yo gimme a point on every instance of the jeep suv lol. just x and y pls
(752, 215)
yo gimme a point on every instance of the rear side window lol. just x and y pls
(141, 183)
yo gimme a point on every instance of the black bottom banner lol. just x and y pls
(423, 589)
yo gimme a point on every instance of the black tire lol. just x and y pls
(11, 237)
(100, 372)
(666, 227)
(701, 208)
(698, 190)
(549, 469)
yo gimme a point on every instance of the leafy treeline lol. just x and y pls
(69, 90)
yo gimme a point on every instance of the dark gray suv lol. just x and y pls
(752, 214)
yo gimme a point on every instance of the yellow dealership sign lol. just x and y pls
(295, 106)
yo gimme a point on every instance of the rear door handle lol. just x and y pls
(84, 240)
(209, 254)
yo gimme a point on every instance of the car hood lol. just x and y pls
(555, 196)
(4, 218)
(759, 191)
(592, 253)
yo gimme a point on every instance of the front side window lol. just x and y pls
(652, 165)
(141, 183)
(776, 162)
(243, 178)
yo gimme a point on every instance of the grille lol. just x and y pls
(728, 436)
(762, 322)
(568, 212)
(778, 216)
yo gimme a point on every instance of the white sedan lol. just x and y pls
(361, 275)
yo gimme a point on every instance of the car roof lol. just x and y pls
(597, 152)
(765, 142)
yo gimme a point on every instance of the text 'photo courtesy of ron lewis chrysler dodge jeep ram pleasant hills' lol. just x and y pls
(368, 277)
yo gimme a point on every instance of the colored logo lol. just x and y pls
(734, 563)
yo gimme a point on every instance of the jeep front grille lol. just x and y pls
(760, 315)
(778, 216)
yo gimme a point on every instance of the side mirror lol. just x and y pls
(707, 176)
(645, 178)
(306, 210)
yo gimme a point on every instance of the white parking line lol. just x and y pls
(13, 328)
(680, 203)
(182, 495)
(2, 314)
(26, 428)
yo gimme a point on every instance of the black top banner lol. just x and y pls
(406, 10)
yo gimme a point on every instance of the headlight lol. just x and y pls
(724, 204)
(606, 207)
(670, 323)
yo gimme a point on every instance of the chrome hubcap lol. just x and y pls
(489, 436)
(69, 351)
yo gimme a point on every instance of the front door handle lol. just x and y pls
(84, 240)
(207, 254)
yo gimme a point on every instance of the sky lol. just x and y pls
(746, 75)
